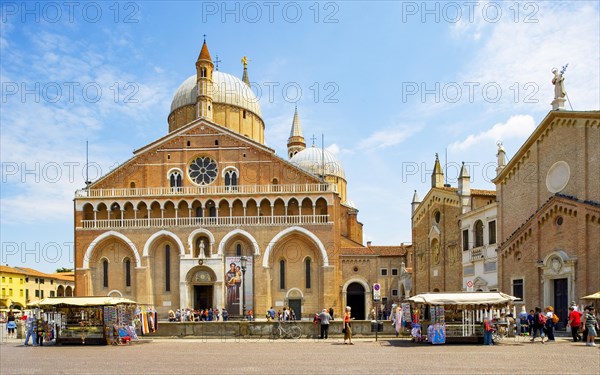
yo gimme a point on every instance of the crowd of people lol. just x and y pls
(537, 323)
(202, 315)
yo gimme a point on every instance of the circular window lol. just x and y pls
(558, 177)
(355, 269)
(437, 216)
(202, 170)
(559, 220)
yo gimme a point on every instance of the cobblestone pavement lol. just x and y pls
(216, 356)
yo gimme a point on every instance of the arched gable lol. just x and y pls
(290, 230)
(106, 235)
(159, 234)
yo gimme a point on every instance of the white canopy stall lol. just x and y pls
(473, 306)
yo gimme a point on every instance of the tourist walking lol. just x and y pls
(550, 323)
(574, 323)
(324, 317)
(591, 324)
(30, 329)
(539, 321)
(347, 326)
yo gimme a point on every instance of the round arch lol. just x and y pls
(242, 233)
(196, 232)
(287, 231)
(103, 236)
(115, 291)
(159, 234)
(367, 295)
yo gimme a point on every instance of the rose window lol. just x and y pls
(203, 170)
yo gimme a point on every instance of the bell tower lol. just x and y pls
(204, 73)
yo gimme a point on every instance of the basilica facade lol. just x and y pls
(210, 216)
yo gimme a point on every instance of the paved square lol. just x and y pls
(193, 356)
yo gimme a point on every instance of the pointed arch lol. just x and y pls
(290, 230)
(102, 237)
(242, 233)
(159, 234)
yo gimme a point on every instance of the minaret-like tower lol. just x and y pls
(296, 140)
(464, 189)
(415, 203)
(204, 73)
(437, 177)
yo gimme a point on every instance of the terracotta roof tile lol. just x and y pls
(6, 269)
(491, 193)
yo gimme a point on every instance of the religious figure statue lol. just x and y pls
(202, 248)
(245, 62)
(559, 84)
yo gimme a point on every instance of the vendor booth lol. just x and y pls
(89, 320)
(456, 317)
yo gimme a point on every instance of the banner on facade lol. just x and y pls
(234, 286)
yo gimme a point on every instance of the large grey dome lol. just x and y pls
(227, 89)
(311, 160)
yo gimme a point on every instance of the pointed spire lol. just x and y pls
(416, 198)
(296, 141)
(204, 54)
(245, 78)
(415, 203)
(296, 129)
(464, 171)
(437, 177)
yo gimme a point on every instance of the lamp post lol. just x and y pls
(244, 263)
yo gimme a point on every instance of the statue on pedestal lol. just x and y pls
(559, 84)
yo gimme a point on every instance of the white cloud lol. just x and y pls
(334, 149)
(519, 126)
(519, 56)
(389, 137)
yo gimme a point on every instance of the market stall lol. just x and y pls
(456, 317)
(89, 320)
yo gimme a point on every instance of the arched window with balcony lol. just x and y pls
(175, 179)
(478, 229)
(231, 178)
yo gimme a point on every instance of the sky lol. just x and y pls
(388, 84)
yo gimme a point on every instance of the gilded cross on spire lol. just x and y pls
(313, 138)
(204, 35)
(216, 62)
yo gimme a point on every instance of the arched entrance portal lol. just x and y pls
(355, 297)
(201, 282)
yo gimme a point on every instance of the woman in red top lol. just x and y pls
(347, 327)
(575, 323)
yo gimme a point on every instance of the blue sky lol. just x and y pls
(396, 82)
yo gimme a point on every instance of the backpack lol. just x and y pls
(541, 319)
(555, 318)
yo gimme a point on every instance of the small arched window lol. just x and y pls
(478, 233)
(307, 272)
(127, 272)
(175, 180)
(282, 274)
(231, 178)
(238, 250)
(199, 212)
(105, 273)
(203, 72)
